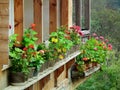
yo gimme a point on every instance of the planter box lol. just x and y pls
(91, 70)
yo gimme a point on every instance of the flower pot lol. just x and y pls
(18, 78)
(31, 71)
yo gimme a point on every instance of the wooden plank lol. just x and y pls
(4, 9)
(4, 1)
(18, 18)
(53, 15)
(4, 33)
(4, 21)
(38, 18)
(64, 12)
(4, 58)
(3, 45)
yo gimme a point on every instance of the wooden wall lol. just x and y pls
(4, 22)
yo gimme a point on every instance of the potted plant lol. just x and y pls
(33, 56)
(94, 50)
(19, 64)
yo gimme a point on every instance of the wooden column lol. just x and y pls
(4, 31)
(38, 18)
(53, 15)
(18, 18)
(64, 12)
(87, 14)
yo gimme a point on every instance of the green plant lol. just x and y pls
(94, 50)
(16, 55)
(29, 37)
(59, 45)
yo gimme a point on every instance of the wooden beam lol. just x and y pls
(18, 18)
(38, 18)
(53, 15)
(57, 74)
(64, 12)
(68, 65)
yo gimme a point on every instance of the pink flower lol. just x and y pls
(106, 40)
(97, 38)
(76, 28)
(109, 47)
(81, 34)
(104, 47)
(101, 37)
(95, 49)
(42, 51)
(94, 34)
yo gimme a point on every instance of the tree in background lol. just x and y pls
(106, 20)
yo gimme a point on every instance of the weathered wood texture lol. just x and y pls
(18, 18)
(4, 22)
(64, 12)
(38, 18)
(53, 15)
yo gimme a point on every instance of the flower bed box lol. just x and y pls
(91, 70)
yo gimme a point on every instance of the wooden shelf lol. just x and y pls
(44, 73)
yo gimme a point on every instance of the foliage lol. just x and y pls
(18, 62)
(108, 79)
(29, 37)
(58, 43)
(94, 50)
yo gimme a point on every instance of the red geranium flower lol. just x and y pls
(84, 59)
(33, 26)
(25, 49)
(31, 46)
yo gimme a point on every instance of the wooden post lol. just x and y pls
(38, 18)
(18, 18)
(53, 15)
